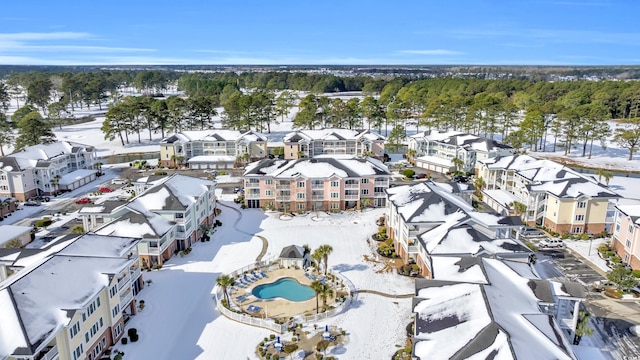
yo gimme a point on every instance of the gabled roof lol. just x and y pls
(137, 223)
(318, 167)
(331, 134)
(292, 252)
(96, 245)
(464, 239)
(426, 202)
(461, 139)
(176, 192)
(214, 135)
(497, 318)
(41, 155)
(632, 211)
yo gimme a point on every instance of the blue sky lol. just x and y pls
(521, 32)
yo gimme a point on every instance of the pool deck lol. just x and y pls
(279, 307)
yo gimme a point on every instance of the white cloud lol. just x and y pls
(431, 52)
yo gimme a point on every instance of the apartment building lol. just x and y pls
(46, 168)
(435, 150)
(480, 307)
(428, 218)
(556, 197)
(74, 303)
(319, 183)
(212, 149)
(169, 216)
(310, 143)
(626, 234)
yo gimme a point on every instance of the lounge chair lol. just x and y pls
(241, 298)
(263, 274)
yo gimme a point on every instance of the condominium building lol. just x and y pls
(212, 149)
(556, 197)
(626, 235)
(169, 216)
(436, 150)
(46, 168)
(311, 143)
(319, 183)
(72, 305)
(428, 218)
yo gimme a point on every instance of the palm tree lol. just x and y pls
(583, 328)
(606, 174)
(325, 250)
(316, 256)
(518, 207)
(55, 181)
(316, 286)
(325, 292)
(411, 154)
(225, 281)
(458, 163)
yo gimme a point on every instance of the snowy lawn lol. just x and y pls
(180, 312)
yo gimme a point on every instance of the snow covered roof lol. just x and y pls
(331, 134)
(212, 159)
(551, 177)
(76, 175)
(292, 252)
(461, 139)
(464, 239)
(318, 167)
(30, 156)
(175, 192)
(463, 320)
(435, 160)
(426, 202)
(467, 269)
(139, 223)
(633, 211)
(8, 232)
(91, 244)
(213, 136)
(504, 198)
(37, 303)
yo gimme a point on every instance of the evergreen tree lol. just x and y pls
(33, 130)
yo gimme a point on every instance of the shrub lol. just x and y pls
(160, 173)
(613, 292)
(134, 338)
(158, 266)
(44, 222)
(132, 331)
(272, 336)
(289, 348)
(408, 173)
(78, 229)
(119, 355)
(635, 273)
(124, 341)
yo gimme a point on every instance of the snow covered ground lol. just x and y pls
(180, 300)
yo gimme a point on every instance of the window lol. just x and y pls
(335, 195)
(268, 193)
(179, 215)
(91, 309)
(364, 191)
(77, 352)
(113, 291)
(118, 330)
(580, 217)
(300, 206)
(300, 184)
(268, 181)
(74, 329)
(617, 228)
(577, 230)
(335, 183)
(364, 181)
(628, 243)
(334, 206)
(115, 311)
(630, 228)
(300, 196)
(582, 204)
(626, 258)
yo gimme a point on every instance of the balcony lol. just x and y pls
(135, 272)
(123, 282)
(125, 298)
(286, 197)
(317, 186)
(379, 194)
(317, 197)
(413, 249)
(252, 194)
(252, 185)
(283, 187)
(52, 353)
(352, 186)
(384, 182)
(351, 197)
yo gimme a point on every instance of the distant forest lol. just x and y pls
(508, 103)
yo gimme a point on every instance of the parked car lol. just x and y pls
(236, 189)
(84, 200)
(32, 203)
(460, 179)
(118, 181)
(531, 232)
(552, 243)
(105, 190)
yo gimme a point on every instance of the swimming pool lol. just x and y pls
(287, 288)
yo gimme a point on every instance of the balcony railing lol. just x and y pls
(135, 272)
(351, 197)
(352, 186)
(250, 185)
(317, 197)
(283, 197)
(382, 182)
(413, 249)
(123, 282)
(379, 194)
(125, 298)
(283, 187)
(317, 186)
(251, 195)
(52, 353)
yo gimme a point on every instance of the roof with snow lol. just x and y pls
(8, 232)
(550, 177)
(468, 320)
(465, 239)
(464, 140)
(91, 244)
(633, 211)
(138, 223)
(212, 159)
(76, 175)
(176, 192)
(41, 155)
(343, 166)
(426, 202)
(331, 134)
(214, 135)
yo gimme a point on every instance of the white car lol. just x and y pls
(552, 243)
(118, 181)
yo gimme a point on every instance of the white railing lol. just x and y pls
(126, 298)
(52, 353)
(135, 273)
(352, 186)
(124, 281)
(352, 197)
(336, 310)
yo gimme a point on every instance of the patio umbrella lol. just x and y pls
(278, 345)
(326, 335)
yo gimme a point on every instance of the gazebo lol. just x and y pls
(296, 256)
